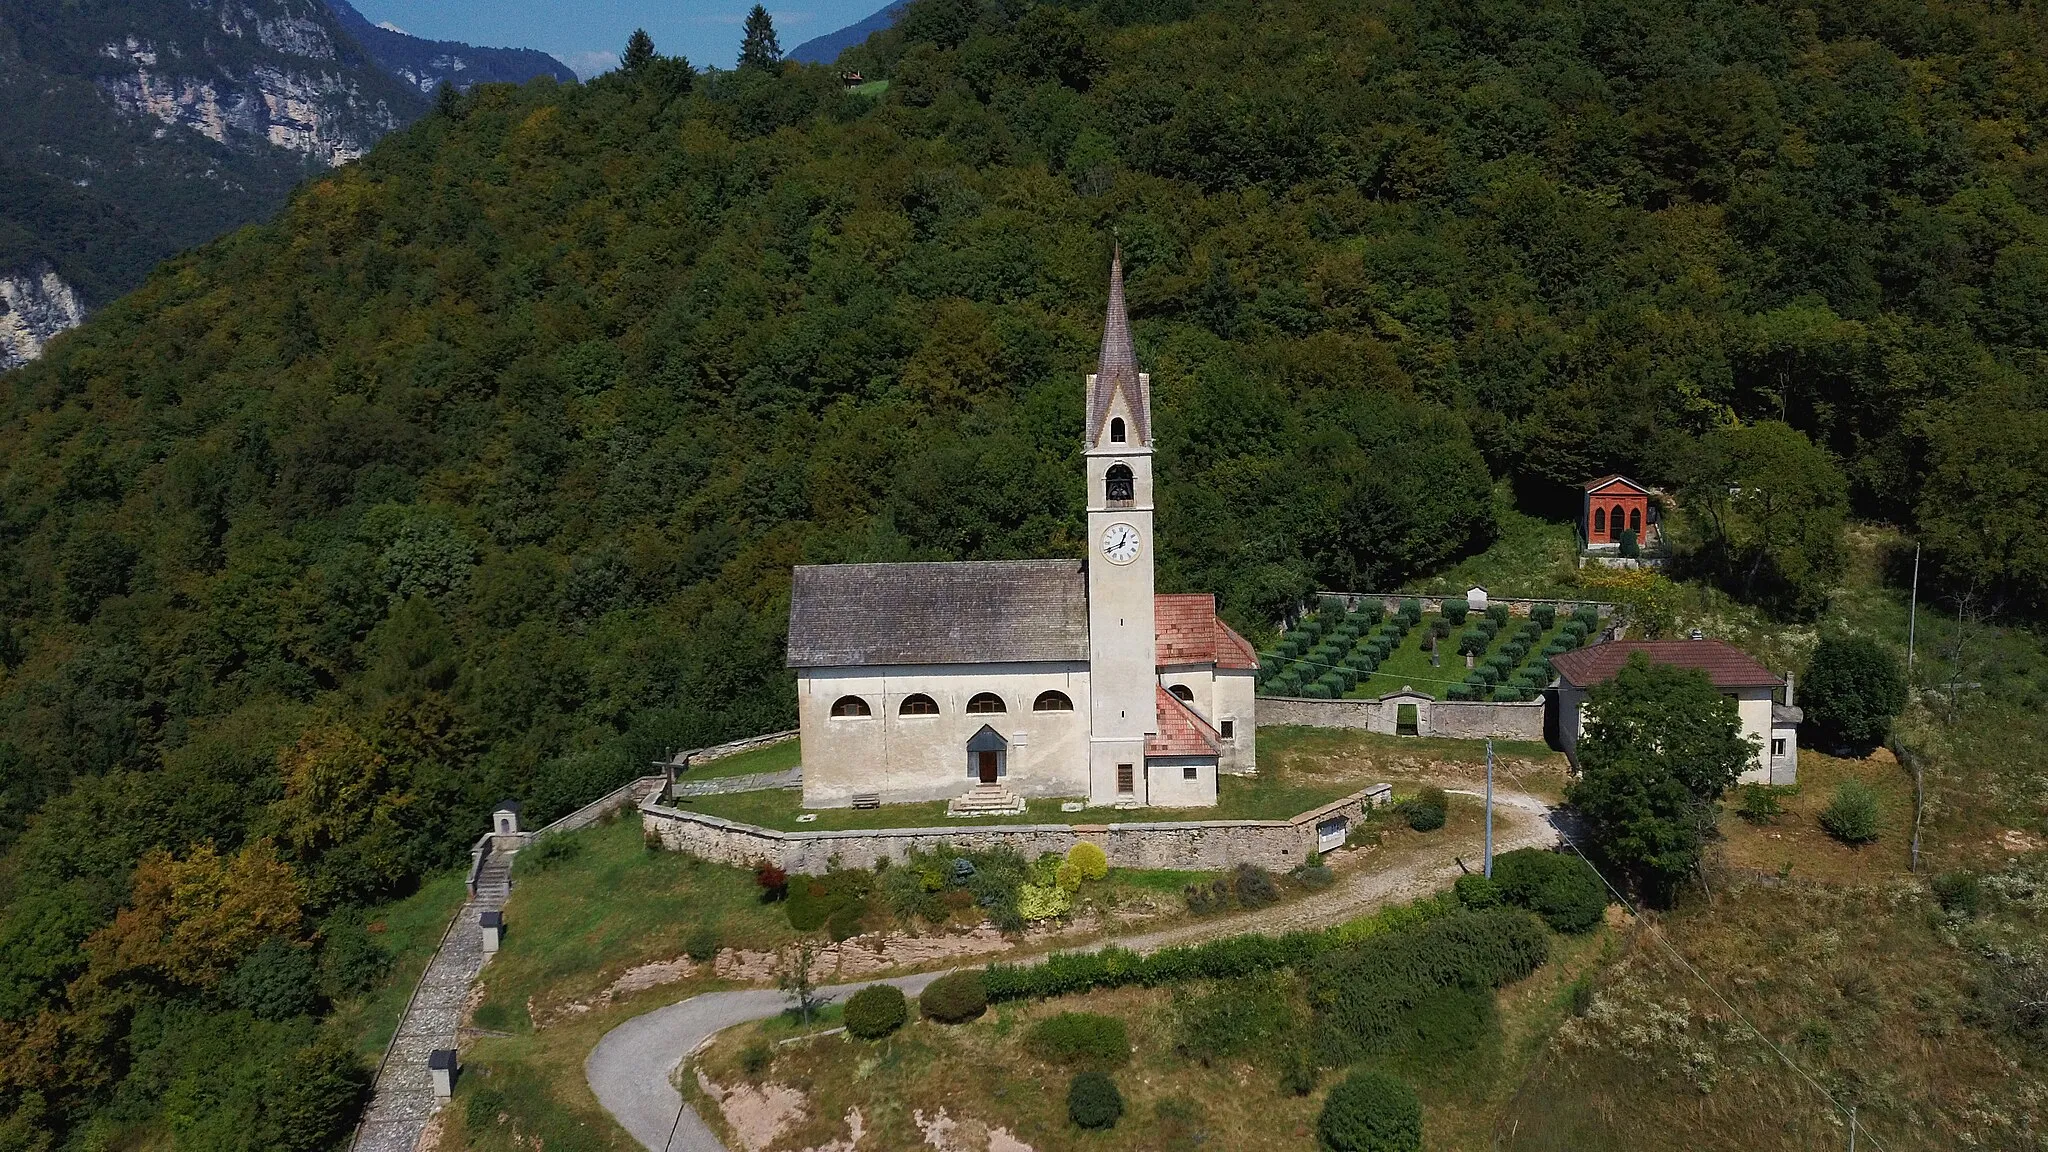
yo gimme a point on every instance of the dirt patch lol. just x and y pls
(2014, 840)
(874, 952)
(856, 1127)
(945, 1134)
(756, 1114)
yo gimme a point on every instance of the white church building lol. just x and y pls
(985, 683)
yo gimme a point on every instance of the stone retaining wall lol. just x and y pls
(1455, 719)
(1204, 845)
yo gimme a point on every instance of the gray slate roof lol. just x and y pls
(969, 612)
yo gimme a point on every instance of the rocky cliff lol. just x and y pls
(35, 304)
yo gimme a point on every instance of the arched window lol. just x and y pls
(918, 704)
(1599, 521)
(1052, 701)
(1635, 520)
(1182, 692)
(1116, 430)
(850, 706)
(1614, 522)
(1117, 484)
(985, 702)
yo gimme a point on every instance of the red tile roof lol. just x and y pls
(1188, 632)
(1181, 732)
(1604, 481)
(1725, 664)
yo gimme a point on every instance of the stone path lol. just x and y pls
(404, 1097)
(629, 1069)
(758, 782)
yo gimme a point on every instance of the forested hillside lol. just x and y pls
(480, 470)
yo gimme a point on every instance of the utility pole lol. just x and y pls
(1852, 1128)
(1912, 619)
(1489, 808)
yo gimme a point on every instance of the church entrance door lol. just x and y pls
(986, 762)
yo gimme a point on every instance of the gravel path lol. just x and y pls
(629, 1069)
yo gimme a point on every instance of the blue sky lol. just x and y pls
(587, 34)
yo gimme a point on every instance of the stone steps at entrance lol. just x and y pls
(986, 800)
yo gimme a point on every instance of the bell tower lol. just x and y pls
(1123, 669)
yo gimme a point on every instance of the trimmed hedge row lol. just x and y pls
(1066, 973)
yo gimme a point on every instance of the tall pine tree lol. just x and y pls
(759, 48)
(639, 51)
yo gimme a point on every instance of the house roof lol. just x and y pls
(1181, 732)
(1725, 664)
(1611, 478)
(965, 612)
(1117, 370)
(1188, 631)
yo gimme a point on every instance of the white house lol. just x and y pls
(985, 683)
(1771, 726)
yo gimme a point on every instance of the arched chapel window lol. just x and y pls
(1116, 430)
(918, 704)
(1118, 485)
(850, 706)
(985, 702)
(1614, 521)
(1052, 701)
(1599, 521)
(1635, 520)
(1182, 692)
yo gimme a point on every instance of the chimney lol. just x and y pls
(1697, 634)
(1788, 688)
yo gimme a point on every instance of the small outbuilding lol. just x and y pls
(505, 818)
(1475, 600)
(1613, 506)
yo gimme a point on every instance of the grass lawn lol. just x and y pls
(609, 904)
(1409, 666)
(410, 930)
(1531, 557)
(1795, 845)
(776, 757)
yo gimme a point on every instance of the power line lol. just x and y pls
(1848, 1112)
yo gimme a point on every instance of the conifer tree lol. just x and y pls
(759, 48)
(639, 52)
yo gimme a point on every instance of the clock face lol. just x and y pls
(1120, 543)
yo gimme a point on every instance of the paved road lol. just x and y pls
(629, 1069)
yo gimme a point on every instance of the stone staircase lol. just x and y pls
(986, 800)
(494, 880)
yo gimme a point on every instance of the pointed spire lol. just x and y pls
(1117, 370)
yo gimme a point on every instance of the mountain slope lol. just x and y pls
(825, 49)
(479, 470)
(426, 64)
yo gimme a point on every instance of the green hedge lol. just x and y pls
(1359, 994)
(1455, 611)
(955, 998)
(1544, 615)
(1066, 973)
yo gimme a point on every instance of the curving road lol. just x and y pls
(629, 1070)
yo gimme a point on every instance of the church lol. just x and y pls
(987, 683)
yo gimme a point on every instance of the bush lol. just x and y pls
(1498, 613)
(834, 901)
(1759, 803)
(1489, 673)
(1458, 692)
(1477, 891)
(1361, 992)
(1370, 1112)
(1298, 1070)
(1472, 642)
(1090, 859)
(755, 1058)
(549, 852)
(1544, 615)
(1854, 690)
(772, 881)
(954, 998)
(1560, 887)
(702, 943)
(875, 1011)
(1093, 1101)
(1424, 817)
(1455, 611)
(351, 960)
(1958, 893)
(275, 982)
(1852, 816)
(1230, 1017)
(1254, 886)
(1080, 1039)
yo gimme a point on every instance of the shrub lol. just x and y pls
(1498, 613)
(1090, 859)
(1472, 642)
(1411, 608)
(1254, 886)
(274, 982)
(1080, 1039)
(351, 960)
(1852, 816)
(834, 901)
(1319, 691)
(549, 852)
(1477, 891)
(1093, 1101)
(1370, 1112)
(756, 1057)
(1854, 690)
(954, 998)
(1587, 616)
(1439, 629)
(1360, 992)
(1458, 692)
(875, 1011)
(1959, 893)
(1455, 611)
(1298, 1070)
(1562, 888)
(702, 943)
(1573, 629)
(1044, 901)
(1629, 547)
(1314, 877)
(1488, 673)
(1424, 815)
(1544, 615)
(1759, 803)
(772, 881)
